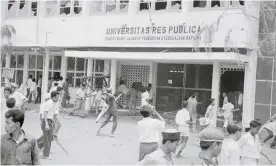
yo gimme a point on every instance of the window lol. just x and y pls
(21, 8)
(63, 7)
(217, 3)
(54, 65)
(76, 67)
(17, 63)
(35, 66)
(12, 8)
(160, 5)
(109, 6)
(51, 8)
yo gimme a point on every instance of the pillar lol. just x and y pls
(8, 65)
(216, 82)
(113, 75)
(154, 81)
(249, 89)
(89, 73)
(26, 66)
(63, 68)
(133, 7)
(45, 73)
(107, 70)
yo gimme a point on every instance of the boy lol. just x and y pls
(230, 152)
(10, 103)
(210, 143)
(183, 120)
(250, 145)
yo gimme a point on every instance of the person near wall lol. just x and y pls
(125, 91)
(225, 98)
(39, 84)
(145, 97)
(149, 130)
(32, 93)
(17, 146)
(228, 109)
(192, 104)
(28, 83)
(211, 113)
(133, 99)
(97, 98)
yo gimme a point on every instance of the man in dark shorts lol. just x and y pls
(111, 112)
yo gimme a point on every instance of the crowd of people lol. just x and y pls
(158, 142)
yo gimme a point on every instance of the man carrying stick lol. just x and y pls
(111, 112)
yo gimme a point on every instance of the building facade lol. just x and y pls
(146, 42)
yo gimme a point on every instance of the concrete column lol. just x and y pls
(154, 80)
(26, 66)
(8, 65)
(85, 8)
(249, 89)
(107, 70)
(197, 76)
(63, 69)
(216, 82)
(89, 73)
(186, 6)
(113, 75)
(45, 73)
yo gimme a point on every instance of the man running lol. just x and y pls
(111, 112)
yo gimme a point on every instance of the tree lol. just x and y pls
(7, 32)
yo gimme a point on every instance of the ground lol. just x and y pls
(78, 136)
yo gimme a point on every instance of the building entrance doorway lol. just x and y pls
(232, 83)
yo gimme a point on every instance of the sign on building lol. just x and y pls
(8, 73)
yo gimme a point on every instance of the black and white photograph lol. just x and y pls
(138, 82)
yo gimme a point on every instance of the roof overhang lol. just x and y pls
(196, 57)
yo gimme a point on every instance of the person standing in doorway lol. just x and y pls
(225, 98)
(230, 150)
(250, 145)
(211, 140)
(111, 112)
(133, 100)
(228, 109)
(183, 120)
(192, 104)
(211, 113)
(32, 90)
(39, 84)
(29, 82)
(150, 130)
(17, 146)
(48, 124)
(163, 155)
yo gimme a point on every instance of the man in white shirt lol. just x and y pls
(32, 90)
(97, 98)
(145, 97)
(39, 84)
(54, 88)
(228, 109)
(183, 121)
(80, 96)
(211, 113)
(29, 82)
(192, 104)
(48, 124)
(19, 97)
(250, 145)
(164, 154)
(230, 150)
(149, 130)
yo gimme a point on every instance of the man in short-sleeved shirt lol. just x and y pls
(228, 114)
(149, 130)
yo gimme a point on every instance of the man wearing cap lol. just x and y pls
(149, 130)
(163, 155)
(210, 143)
(111, 112)
(20, 99)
